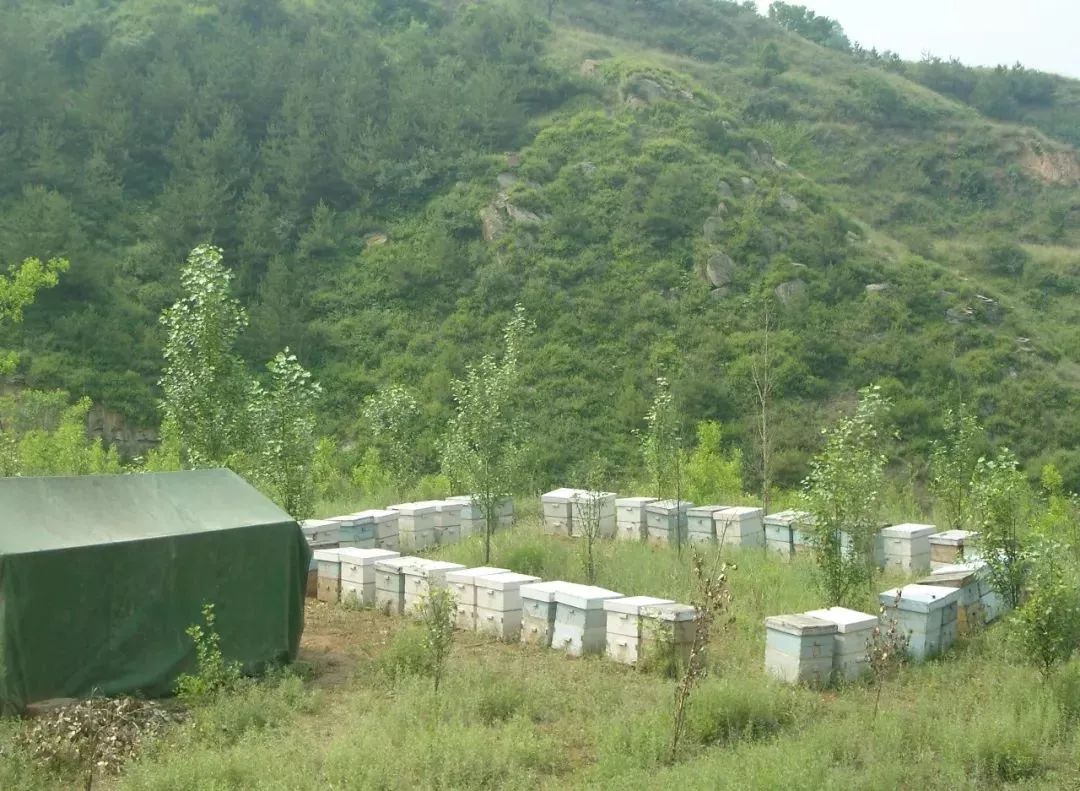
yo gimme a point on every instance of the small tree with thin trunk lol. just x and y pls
(761, 376)
(437, 614)
(18, 290)
(588, 507)
(661, 449)
(1047, 624)
(484, 450)
(952, 465)
(1003, 505)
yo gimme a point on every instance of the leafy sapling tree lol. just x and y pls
(392, 417)
(1003, 508)
(711, 475)
(283, 417)
(843, 495)
(1047, 624)
(886, 651)
(484, 450)
(17, 291)
(952, 465)
(205, 385)
(437, 611)
(661, 449)
(214, 673)
(761, 375)
(588, 515)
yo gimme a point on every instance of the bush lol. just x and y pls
(406, 655)
(214, 674)
(726, 712)
(1004, 757)
(499, 701)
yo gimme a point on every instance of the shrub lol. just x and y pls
(406, 655)
(499, 701)
(727, 712)
(214, 674)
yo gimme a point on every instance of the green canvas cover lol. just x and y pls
(100, 576)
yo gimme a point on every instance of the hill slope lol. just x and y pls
(670, 164)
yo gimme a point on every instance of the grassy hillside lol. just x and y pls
(514, 717)
(389, 179)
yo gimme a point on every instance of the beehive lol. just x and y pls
(421, 578)
(358, 574)
(499, 604)
(740, 526)
(580, 620)
(472, 514)
(853, 630)
(666, 521)
(558, 511)
(447, 522)
(384, 527)
(799, 649)
(947, 547)
(538, 612)
(700, 527)
(927, 614)
(973, 578)
(390, 583)
(624, 626)
(321, 532)
(462, 583)
(586, 505)
(786, 533)
(357, 530)
(907, 547)
(630, 521)
(416, 525)
(668, 629)
(329, 567)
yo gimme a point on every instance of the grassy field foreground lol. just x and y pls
(356, 716)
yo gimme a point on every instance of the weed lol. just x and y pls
(214, 673)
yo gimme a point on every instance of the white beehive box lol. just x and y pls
(356, 530)
(700, 524)
(907, 547)
(666, 521)
(384, 527)
(558, 511)
(329, 566)
(499, 604)
(586, 505)
(390, 583)
(853, 630)
(927, 614)
(740, 526)
(630, 521)
(624, 626)
(462, 583)
(358, 573)
(504, 512)
(472, 515)
(947, 547)
(538, 612)
(799, 649)
(448, 514)
(321, 532)
(668, 627)
(421, 578)
(786, 533)
(580, 619)
(415, 518)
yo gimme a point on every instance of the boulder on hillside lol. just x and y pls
(713, 229)
(492, 223)
(723, 189)
(877, 288)
(790, 290)
(719, 268)
(788, 202)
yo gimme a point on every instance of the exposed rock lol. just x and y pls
(724, 190)
(755, 157)
(513, 159)
(1051, 167)
(649, 90)
(588, 67)
(524, 216)
(747, 184)
(375, 239)
(877, 288)
(719, 293)
(492, 224)
(587, 167)
(780, 165)
(721, 210)
(789, 202)
(635, 102)
(713, 229)
(790, 290)
(960, 314)
(506, 180)
(852, 237)
(797, 265)
(719, 268)
(987, 309)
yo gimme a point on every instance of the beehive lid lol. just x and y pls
(585, 495)
(908, 531)
(508, 580)
(787, 518)
(584, 597)
(953, 538)
(317, 524)
(327, 555)
(541, 591)
(378, 515)
(741, 512)
(846, 620)
(705, 510)
(464, 499)
(562, 495)
(361, 518)
(671, 612)
(976, 566)
(920, 598)
(633, 605)
(397, 564)
(365, 557)
(468, 576)
(347, 521)
(800, 625)
(415, 509)
(667, 507)
(634, 502)
(449, 506)
(429, 567)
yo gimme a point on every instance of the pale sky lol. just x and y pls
(1042, 34)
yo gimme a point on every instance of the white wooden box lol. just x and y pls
(927, 614)
(666, 521)
(949, 547)
(329, 563)
(581, 505)
(740, 526)
(580, 619)
(700, 521)
(422, 577)
(799, 649)
(538, 612)
(668, 627)
(448, 513)
(624, 626)
(907, 547)
(390, 583)
(853, 630)
(462, 583)
(415, 517)
(358, 565)
(558, 511)
(503, 625)
(321, 531)
(630, 521)
(358, 594)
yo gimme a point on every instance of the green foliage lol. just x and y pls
(711, 475)
(437, 613)
(588, 513)
(843, 495)
(1003, 508)
(214, 675)
(40, 434)
(1047, 623)
(953, 463)
(817, 28)
(661, 444)
(485, 441)
(726, 712)
(391, 417)
(17, 291)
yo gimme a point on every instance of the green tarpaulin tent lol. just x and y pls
(101, 575)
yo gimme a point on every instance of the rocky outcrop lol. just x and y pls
(791, 290)
(719, 268)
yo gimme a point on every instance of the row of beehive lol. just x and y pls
(906, 547)
(821, 645)
(577, 619)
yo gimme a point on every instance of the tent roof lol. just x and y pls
(43, 514)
